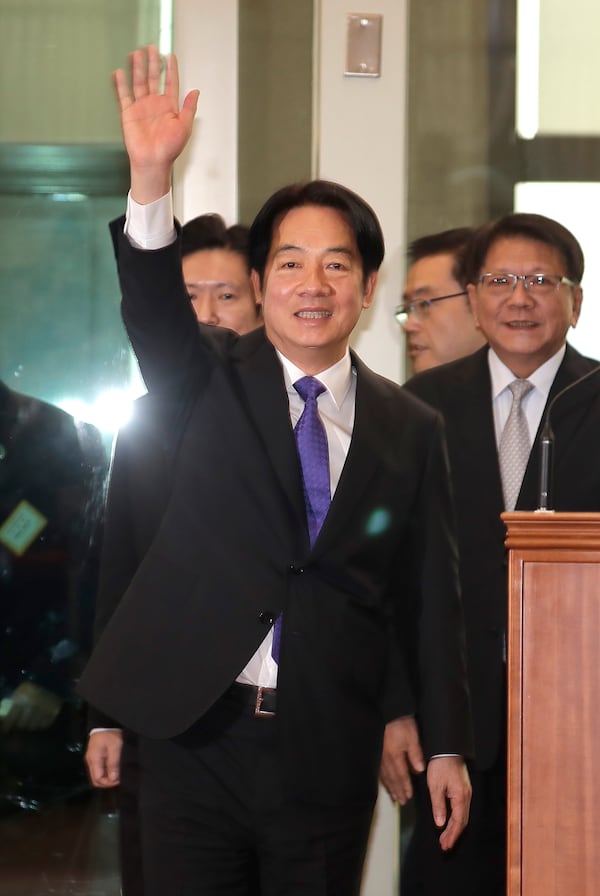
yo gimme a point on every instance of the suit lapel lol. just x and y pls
(361, 461)
(566, 416)
(262, 394)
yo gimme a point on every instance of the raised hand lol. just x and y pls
(155, 128)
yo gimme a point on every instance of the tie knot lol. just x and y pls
(308, 387)
(519, 389)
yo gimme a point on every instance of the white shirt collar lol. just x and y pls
(542, 378)
(336, 379)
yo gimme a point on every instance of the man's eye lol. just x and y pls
(227, 295)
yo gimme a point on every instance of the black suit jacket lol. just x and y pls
(47, 592)
(461, 391)
(232, 551)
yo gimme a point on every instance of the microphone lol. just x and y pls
(547, 446)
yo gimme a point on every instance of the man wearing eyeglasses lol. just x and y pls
(435, 313)
(523, 274)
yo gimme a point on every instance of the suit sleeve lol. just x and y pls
(429, 628)
(119, 559)
(158, 315)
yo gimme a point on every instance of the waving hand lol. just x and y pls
(155, 128)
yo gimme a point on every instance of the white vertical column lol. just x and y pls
(205, 40)
(361, 143)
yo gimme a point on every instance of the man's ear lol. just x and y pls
(577, 300)
(472, 297)
(257, 286)
(370, 287)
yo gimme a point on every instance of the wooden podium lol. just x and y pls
(553, 704)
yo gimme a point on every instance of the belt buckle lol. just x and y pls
(258, 712)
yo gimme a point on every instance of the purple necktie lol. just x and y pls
(311, 442)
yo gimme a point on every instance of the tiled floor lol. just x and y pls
(64, 850)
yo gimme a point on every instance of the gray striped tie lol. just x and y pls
(515, 445)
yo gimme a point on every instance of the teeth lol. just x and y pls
(313, 315)
(521, 323)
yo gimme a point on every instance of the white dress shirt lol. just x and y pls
(533, 403)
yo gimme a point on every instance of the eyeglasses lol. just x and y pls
(499, 285)
(420, 310)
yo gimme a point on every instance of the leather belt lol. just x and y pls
(262, 701)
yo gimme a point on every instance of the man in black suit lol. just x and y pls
(435, 313)
(260, 760)
(216, 271)
(523, 273)
(52, 471)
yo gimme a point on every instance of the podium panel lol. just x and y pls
(553, 704)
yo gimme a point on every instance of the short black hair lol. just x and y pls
(531, 227)
(210, 232)
(452, 242)
(360, 217)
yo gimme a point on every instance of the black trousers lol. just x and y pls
(215, 818)
(477, 864)
(130, 839)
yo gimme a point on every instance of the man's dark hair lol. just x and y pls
(453, 242)
(527, 226)
(211, 232)
(360, 217)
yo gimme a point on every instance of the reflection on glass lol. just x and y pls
(66, 378)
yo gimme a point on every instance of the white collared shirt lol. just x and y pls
(533, 403)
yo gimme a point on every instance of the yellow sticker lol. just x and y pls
(22, 527)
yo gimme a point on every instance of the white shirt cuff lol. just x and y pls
(150, 226)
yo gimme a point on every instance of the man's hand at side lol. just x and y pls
(448, 782)
(402, 754)
(103, 757)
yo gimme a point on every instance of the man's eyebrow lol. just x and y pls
(416, 294)
(218, 283)
(337, 250)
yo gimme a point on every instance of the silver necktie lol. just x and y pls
(515, 445)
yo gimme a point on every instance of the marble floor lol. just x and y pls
(67, 849)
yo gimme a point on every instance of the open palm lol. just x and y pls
(155, 129)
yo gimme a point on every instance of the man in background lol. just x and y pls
(52, 471)
(523, 275)
(216, 271)
(435, 313)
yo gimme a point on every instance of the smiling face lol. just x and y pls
(447, 331)
(524, 331)
(313, 289)
(220, 289)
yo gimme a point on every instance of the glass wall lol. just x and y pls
(66, 378)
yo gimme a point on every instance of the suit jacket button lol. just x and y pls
(267, 617)
(297, 570)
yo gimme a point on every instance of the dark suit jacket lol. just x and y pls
(47, 593)
(232, 551)
(461, 391)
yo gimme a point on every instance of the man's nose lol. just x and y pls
(412, 323)
(520, 295)
(205, 310)
(316, 281)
